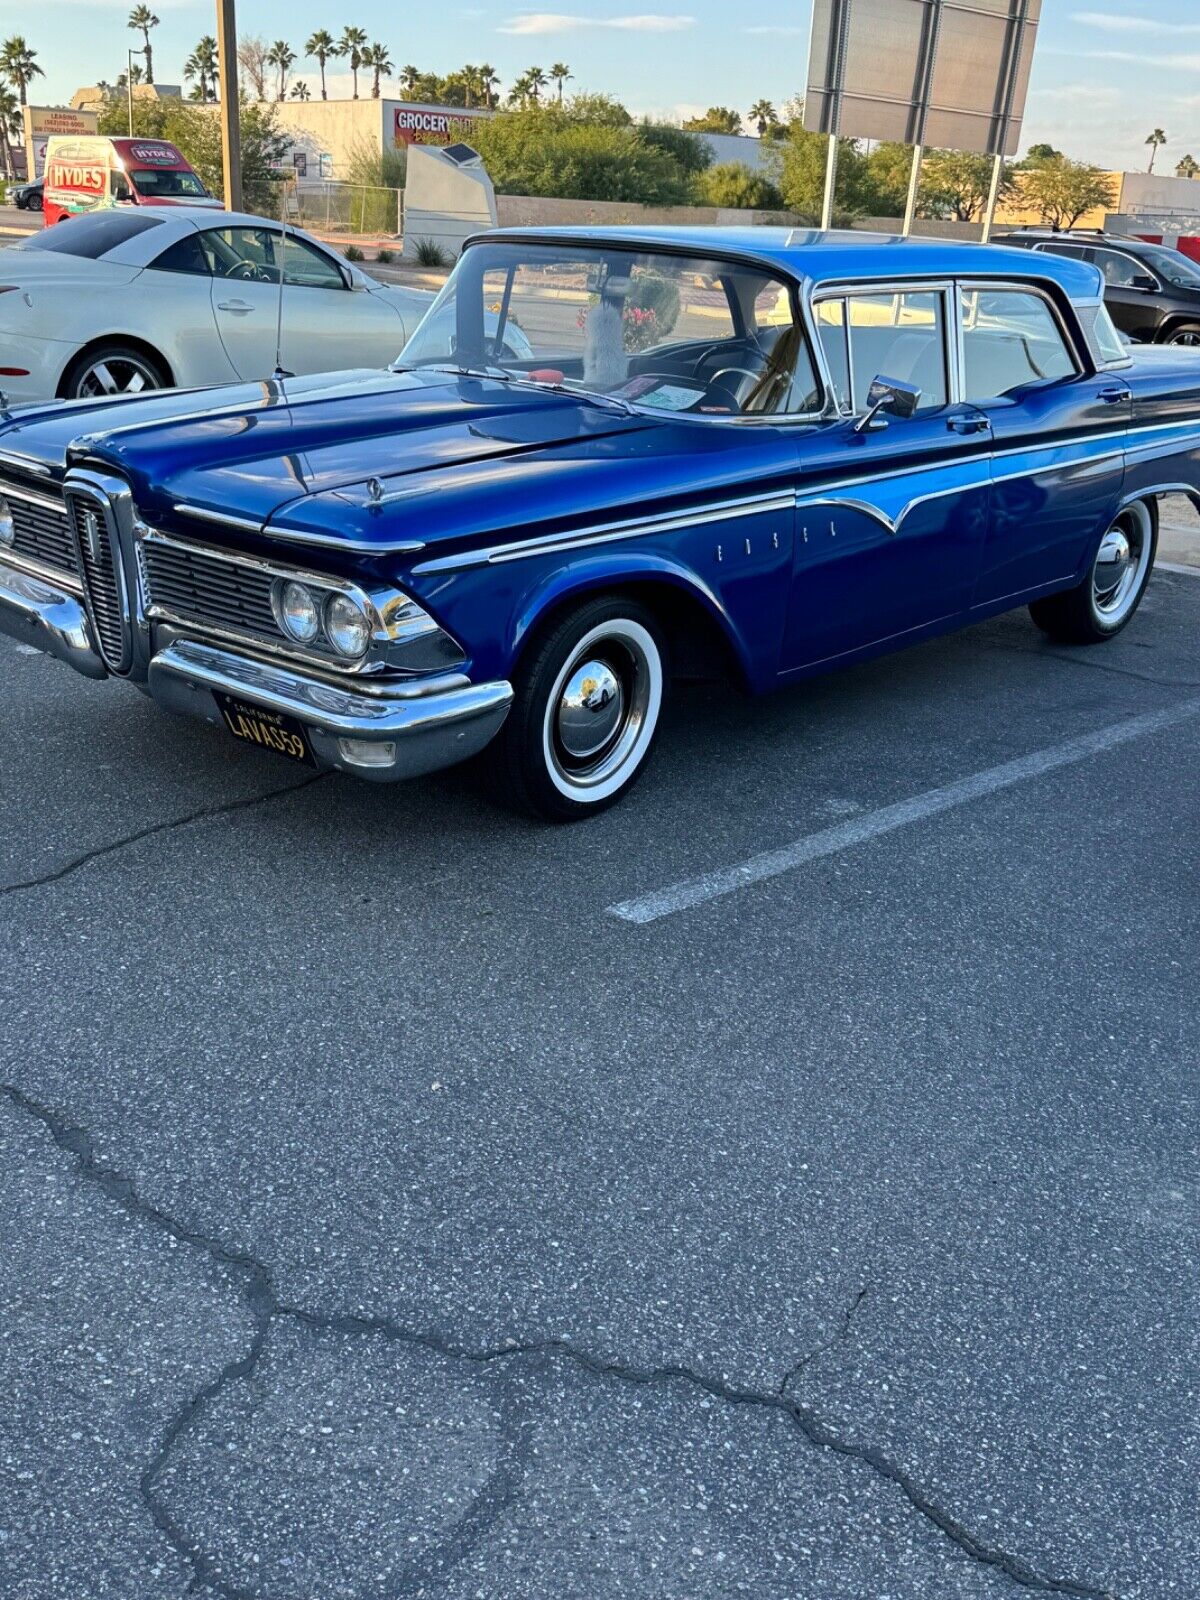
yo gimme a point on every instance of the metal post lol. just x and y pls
(993, 196)
(129, 86)
(227, 75)
(914, 185)
(830, 184)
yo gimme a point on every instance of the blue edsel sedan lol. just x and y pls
(605, 456)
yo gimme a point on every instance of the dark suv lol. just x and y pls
(1152, 293)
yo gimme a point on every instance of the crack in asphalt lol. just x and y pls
(266, 1307)
(1092, 665)
(839, 1336)
(173, 825)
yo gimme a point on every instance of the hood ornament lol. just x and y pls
(375, 491)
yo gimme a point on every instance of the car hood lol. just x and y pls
(250, 452)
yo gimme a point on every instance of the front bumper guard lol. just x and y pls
(400, 730)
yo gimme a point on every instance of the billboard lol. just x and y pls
(946, 73)
(43, 122)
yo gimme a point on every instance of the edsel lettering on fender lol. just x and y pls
(604, 457)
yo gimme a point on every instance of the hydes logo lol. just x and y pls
(91, 536)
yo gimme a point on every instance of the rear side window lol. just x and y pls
(901, 335)
(1011, 339)
(185, 255)
(91, 236)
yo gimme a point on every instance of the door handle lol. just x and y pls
(1117, 396)
(968, 424)
(238, 307)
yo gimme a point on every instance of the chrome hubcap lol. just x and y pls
(1121, 564)
(590, 710)
(117, 375)
(602, 710)
(1190, 338)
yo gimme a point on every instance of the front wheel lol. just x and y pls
(1099, 607)
(1187, 334)
(114, 369)
(587, 700)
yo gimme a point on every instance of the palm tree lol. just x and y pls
(518, 95)
(18, 66)
(142, 19)
(320, 47)
(10, 127)
(202, 66)
(536, 81)
(376, 57)
(300, 90)
(762, 115)
(560, 72)
(1158, 137)
(282, 56)
(1189, 167)
(410, 77)
(352, 43)
(488, 79)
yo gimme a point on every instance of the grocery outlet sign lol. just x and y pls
(431, 124)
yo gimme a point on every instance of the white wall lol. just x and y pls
(1154, 192)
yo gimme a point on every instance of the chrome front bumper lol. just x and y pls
(398, 730)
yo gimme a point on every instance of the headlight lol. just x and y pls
(296, 612)
(8, 532)
(346, 626)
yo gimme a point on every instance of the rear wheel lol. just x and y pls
(588, 697)
(1186, 333)
(1099, 607)
(114, 369)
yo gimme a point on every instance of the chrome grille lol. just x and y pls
(103, 582)
(191, 584)
(41, 529)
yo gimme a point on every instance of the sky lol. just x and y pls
(1102, 77)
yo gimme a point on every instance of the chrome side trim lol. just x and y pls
(224, 519)
(607, 532)
(24, 463)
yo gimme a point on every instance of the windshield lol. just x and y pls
(156, 181)
(1174, 267)
(674, 333)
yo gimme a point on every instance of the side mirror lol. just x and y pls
(122, 194)
(892, 395)
(1145, 283)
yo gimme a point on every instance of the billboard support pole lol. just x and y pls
(993, 196)
(914, 185)
(830, 184)
(231, 135)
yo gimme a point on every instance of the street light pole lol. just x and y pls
(227, 65)
(129, 55)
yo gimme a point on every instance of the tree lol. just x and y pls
(542, 151)
(321, 47)
(282, 57)
(762, 115)
(733, 184)
(1040, 152)
(141, 20)
(1155, 139)
(252, 59)
(559, 73)
(10, 127)
(717, 119)
(1189, 167)
(956, 184)
(536, 81)
(490, 80)
(409, 79)
(300, 90)
(889, 168)
(18, 66)
(602, 110)
(201, 66)
(376, 57)
(520, 93)
(798, 163)
(351, 45)
(1061, 191)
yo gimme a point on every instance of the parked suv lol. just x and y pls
(1152, 293)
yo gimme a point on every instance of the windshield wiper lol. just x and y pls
(593, 396)
(455, 370)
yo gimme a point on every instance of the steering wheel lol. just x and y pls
(247, 272)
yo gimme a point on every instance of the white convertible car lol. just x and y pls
(128, 299)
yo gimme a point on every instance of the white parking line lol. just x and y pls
(844, 835)
(1174, 566)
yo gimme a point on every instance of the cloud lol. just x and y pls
(1178, 63)
(1113, 22)
(538, 22)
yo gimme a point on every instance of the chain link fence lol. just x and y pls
(350, 208)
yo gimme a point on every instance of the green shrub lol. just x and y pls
(386, 257)
(430, 254)
(733, 184)
(353, 253)
(543, 152)
(650, 292)
(690, 154)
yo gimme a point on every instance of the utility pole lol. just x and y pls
(227, 73)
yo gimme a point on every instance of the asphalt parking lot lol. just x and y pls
(391, 1211)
